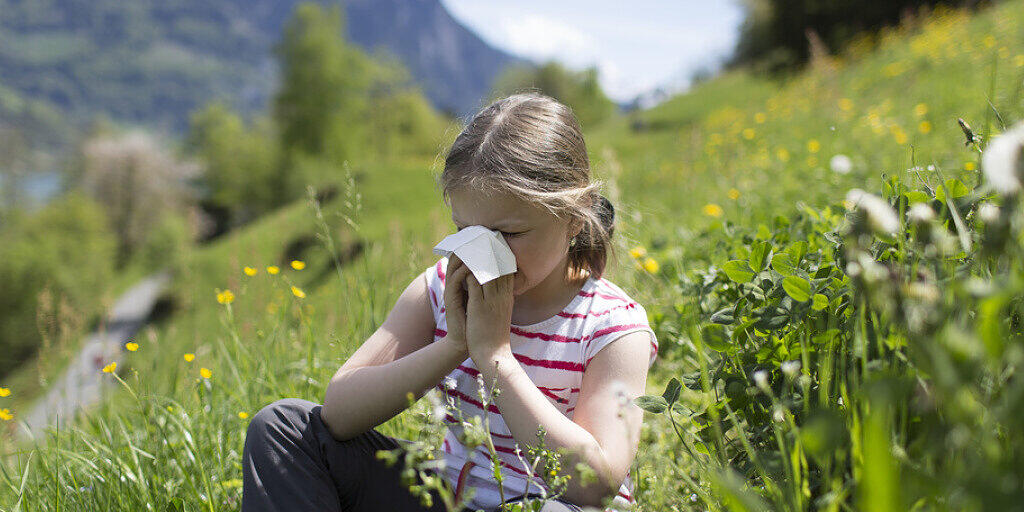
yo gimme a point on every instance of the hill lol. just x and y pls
(729, 163)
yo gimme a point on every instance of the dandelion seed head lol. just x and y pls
(988, 213)
(1002, 163)
(920, 213)
(790, 368)
(840, 164)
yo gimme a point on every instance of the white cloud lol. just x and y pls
(540, 38)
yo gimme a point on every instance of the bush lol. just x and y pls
(66, 247)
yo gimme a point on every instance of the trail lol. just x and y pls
(83, 382)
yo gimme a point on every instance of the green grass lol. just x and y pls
(176, 436)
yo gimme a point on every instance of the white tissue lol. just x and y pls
(485, 252)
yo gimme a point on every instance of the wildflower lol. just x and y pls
(899, 136)
(777, 415)
(921, 109)
(813, 145)
(920, 213)
(249, 271)
(782, 154)
(970, 166)
(924, 127)
(110, 367)
(189, 357)
(760, 117)
(273, 270)
(989, 41)
(790, 368)
(841, 164)
(5, 392)
(734, 194)
(880, 215)
(449, 383)
(846, 104)
(1019, 61)
(713, 210)
(5, 414)
(205, 373)
(1002, 163)
(170, 409)
(243, 415)
(225, 297)
(298, 264)
(761, 380)
(812, 161)
(988, 213)
(298, 292)
(748, 133)
(638, 252)
(131, 346)
(651, 265)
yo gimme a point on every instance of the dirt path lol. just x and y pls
(82, 383)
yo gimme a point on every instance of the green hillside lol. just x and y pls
(690, 179)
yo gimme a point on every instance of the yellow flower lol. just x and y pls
(783, 154)
(638, 252)
(924, 127)
(170, 409)
(813, 145)
(900, 137)
(249, 271)
(812, 161)
(243, 415)
(989, 41)
(298, 293)
(189, 357)
(273, 270)
(968, 166)
(205, 373)
(110, 367)
(1019, 61)
(553, 472)
(5, 414)
(298, 264)
(131, 346)
(760, 118)
(748, 133)
(846, 104)
(734, 194)
(848, 204)
(713, 210)
(225, 297)
(5, 392)
(921, 109)
(650, 265)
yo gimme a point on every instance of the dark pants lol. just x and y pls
(291, 462)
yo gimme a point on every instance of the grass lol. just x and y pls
(755, 148)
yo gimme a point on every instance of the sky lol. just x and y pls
(637, 46)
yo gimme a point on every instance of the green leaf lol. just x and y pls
(917, 196)
(715, 337)
(724, 316)
(759, 255)
(783, 263)
(820, 302)
(650, 403)
(797, 287)
(672, 390)
(738, 270)
(797, 251)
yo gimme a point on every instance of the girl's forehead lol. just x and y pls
(489, 207)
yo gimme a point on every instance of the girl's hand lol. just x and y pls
(489, 315)
(455, 299)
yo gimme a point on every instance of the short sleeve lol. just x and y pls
(624, 320)
(434, 277)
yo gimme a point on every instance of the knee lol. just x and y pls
(286, 417)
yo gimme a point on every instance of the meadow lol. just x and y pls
(814, 355)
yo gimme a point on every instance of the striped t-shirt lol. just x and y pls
(554, 353)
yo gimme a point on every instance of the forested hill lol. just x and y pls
(154, 61)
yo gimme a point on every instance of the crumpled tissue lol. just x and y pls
(484, 251)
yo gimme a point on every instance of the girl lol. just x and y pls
(567, 348)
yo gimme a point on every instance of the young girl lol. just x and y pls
(567, 349)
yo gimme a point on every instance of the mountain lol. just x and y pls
(152, 62)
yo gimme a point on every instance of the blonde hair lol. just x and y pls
(530, 146)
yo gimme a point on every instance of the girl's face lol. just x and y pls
(538, 239)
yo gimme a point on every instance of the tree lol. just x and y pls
(580, 90)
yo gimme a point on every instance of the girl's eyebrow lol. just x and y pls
(500, 224)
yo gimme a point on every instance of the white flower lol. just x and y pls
(778, 416)
(988, 213)
(841, 164)
(881, 217)
(449, 383)
(761, 379)
(1002, 162)
(920, 213)
(790, 368)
